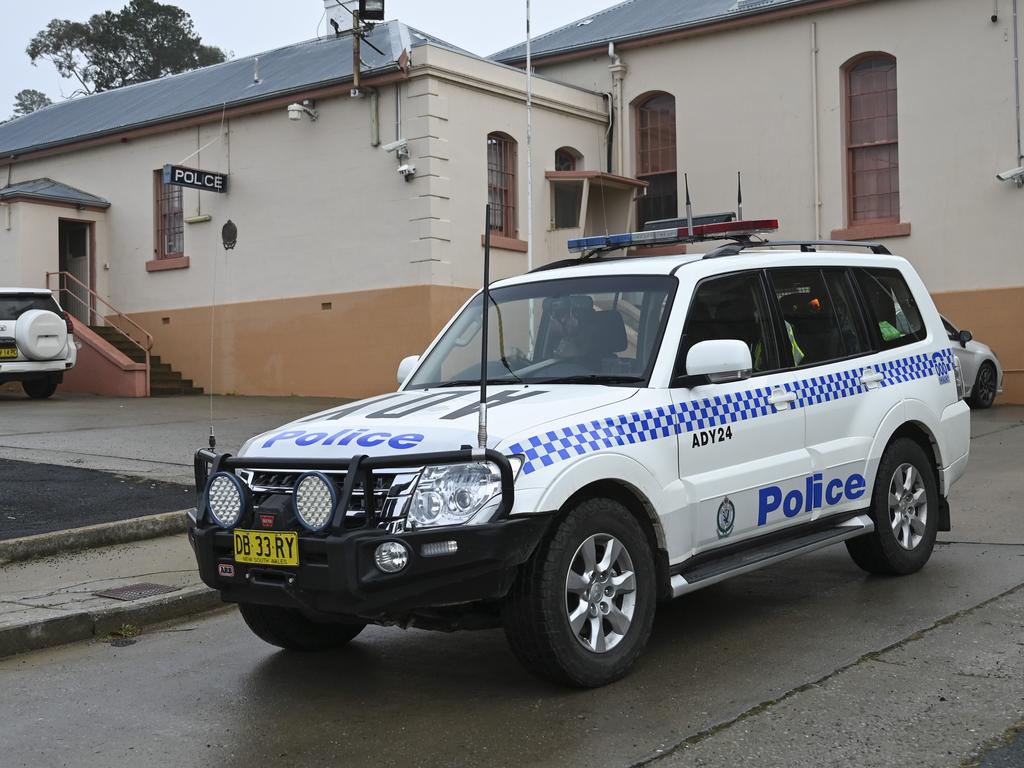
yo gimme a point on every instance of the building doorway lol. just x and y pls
(76, 259)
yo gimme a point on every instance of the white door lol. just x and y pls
(741, 443)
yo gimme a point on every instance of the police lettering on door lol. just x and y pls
(815, 495)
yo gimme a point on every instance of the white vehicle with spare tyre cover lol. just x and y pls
(654, 425)
(36, 341)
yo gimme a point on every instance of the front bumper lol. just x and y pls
(337, 574)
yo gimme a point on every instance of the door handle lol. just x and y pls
(871, 377)
(779, 396)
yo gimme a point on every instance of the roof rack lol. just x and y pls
(806, 246)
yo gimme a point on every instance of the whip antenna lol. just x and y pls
(739, 197)
(689, 208)
(481, 434)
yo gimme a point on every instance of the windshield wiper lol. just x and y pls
(468, 383)
(593, 378)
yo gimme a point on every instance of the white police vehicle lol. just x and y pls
(654, 426)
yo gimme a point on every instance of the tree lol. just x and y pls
(143, 41)
(28, 101)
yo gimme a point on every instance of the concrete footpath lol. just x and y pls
(52, 600)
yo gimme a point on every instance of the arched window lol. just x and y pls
(656, 156)
(872, 148)
(568, 159)
(501, 183)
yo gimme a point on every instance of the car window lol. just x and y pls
(14, 306)
(821, 318)
(896, 316)
(731, 307)
(951, 331)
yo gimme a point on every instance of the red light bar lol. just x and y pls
(727, 229)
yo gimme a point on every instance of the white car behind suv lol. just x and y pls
(36, 341)
(983, 375)
(654, 425)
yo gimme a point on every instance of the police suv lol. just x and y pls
(652, 426)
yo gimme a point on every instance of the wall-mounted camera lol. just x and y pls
(400, 147)
(1016, 175)
(407, 171)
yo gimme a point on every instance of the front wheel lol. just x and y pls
(582, 608)
(905, 509)
(289, 629)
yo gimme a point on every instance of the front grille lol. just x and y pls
(264, 483)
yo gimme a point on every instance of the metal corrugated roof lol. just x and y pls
(311, 64)
(637, 18)
(48, 189)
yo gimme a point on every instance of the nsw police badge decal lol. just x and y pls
(726, 517)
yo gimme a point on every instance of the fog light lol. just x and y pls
(225, 499)
(391, 556)
(439, 548)
(315, 499)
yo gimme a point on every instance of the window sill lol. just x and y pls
(159, 265)
(872, 231)
(506, 243)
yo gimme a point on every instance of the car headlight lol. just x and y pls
(455, 494)
(226, 498)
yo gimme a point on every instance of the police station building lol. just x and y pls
(357, 209)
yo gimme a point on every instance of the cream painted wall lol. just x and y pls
(744, 102)
(317, 207)
(29, 249)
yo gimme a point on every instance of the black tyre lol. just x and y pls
(905, 509)
(40, 389)
(582, 608)
(289, 629)
(983, 393)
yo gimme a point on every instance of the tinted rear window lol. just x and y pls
(893, 307)
(13, 307)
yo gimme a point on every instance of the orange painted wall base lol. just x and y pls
(996, 318)
(332, 345)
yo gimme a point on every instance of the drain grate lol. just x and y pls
(135, 591)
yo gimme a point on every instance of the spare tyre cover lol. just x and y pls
(41, 335)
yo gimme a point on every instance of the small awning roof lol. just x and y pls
(48, 190)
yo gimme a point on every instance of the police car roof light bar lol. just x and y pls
(724, 230)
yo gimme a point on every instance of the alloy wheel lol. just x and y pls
(908, 506)
(600, 593)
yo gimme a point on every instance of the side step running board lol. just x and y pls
(714, 571)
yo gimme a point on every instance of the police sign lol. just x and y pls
(208, 181)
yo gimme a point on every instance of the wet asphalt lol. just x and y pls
(39, 498)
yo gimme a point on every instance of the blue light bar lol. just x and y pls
(717, 230)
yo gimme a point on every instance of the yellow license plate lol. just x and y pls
(266, 547)
(8, 352)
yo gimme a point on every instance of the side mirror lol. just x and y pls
(407, 366)
(721, 360)
(965, 336)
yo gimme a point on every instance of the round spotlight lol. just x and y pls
(391, 556)
(225, 499)
(315, 499)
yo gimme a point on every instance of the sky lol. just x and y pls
(245, 27)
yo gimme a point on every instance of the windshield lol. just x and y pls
(601, 330)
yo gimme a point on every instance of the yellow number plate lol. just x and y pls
(266, 547)
(8, 351)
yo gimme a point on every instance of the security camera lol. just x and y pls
(297, 110)
(1016, 175)
(401, 146)
(407, 171)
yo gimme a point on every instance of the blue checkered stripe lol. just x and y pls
(673, 419)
